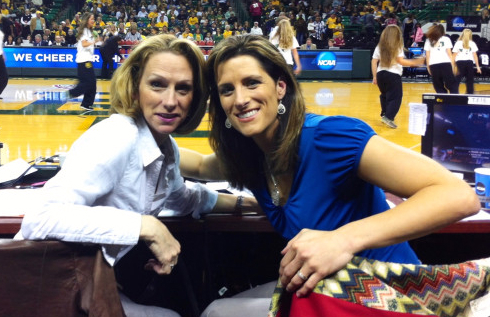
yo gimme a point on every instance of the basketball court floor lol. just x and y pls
(36, 122)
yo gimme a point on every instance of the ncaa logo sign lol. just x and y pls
(326, 61)
(458, 23)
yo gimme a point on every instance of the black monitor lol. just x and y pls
(458, 132)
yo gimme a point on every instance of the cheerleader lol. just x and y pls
(464, 54)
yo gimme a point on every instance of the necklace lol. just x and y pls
(275, 195)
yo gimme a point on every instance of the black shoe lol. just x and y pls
(87, 107)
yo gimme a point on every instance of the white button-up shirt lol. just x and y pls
(114, 173)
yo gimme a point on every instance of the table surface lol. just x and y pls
(256, 223)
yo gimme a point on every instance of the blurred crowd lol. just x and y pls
(205, 21)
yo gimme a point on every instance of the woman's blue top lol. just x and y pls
(326, 192)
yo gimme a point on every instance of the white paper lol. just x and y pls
(417, 119)
(14, 169)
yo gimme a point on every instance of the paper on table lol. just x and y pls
(14, 169)
(417, 119)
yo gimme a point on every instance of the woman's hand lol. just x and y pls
(161, 243)
(309, 257)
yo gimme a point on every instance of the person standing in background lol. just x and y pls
(439, 60)
(386, 65)
(464, 54)
(287, 44)
(4, 76)
(418, 35)
(87, 85)
(38, 24)
(107, 51)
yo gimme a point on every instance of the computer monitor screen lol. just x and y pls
(415, 51)
(458, 132)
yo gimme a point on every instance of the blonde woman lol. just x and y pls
(124, 171)
(464, 55)
(286, 43)
(386, 65)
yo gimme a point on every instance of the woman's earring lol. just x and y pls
(281, 109)
(227, 123)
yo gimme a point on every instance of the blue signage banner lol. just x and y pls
(326, 60)
(45, 57)
(457, 23)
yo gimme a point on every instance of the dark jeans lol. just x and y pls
(107, 66)
(4, 76)
(87, 85)
(465, 69)
(443, 78)
(390, 86)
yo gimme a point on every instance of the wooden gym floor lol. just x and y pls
(35, 122)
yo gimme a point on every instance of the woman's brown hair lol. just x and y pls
(243, 161)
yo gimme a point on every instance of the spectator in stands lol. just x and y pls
(339, 40)
(464, 55)
(256, 30)
(18, 41)
(133, 35)
(208, 38)
(309, 45)
(232, 19)
(38, 38)
(485, 16)
(46, 41)
(9, 41)
(408, 28)
(153, 14)
(256, 10)
(439, 60)
(287, 44)
(187, 33)
(38, 24)
(142, 13)
(75, 23)
(70, 38)
(218, 37)
(301, 29)
(198, 36)
(318, 33)
(418, 35)
(193, 19)
(60, 31)
(59, 40)
(228, 32)
(369, 24)
(87, 84)
(25, 21)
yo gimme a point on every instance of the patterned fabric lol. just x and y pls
(388, 289)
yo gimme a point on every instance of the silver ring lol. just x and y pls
(302, 276)
(172, 266)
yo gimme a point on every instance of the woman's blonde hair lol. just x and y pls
(390, 44)
(125, 81)
(466, 36)
(242, 159)
(285, 34)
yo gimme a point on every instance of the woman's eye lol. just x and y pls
(225, 90)
(184, 89)
(253, 83)
(156, 84)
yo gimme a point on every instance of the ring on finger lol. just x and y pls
(301, 275)
(172, 266)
